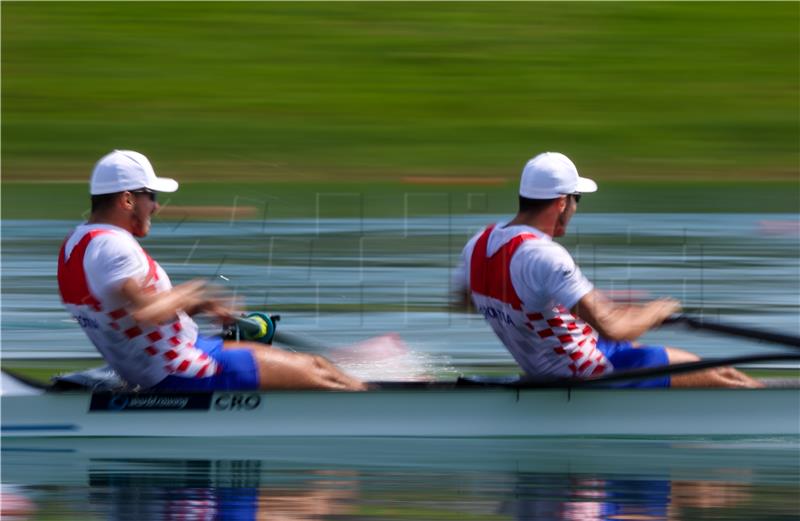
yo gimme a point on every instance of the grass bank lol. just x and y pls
(208, 200)
(265, 98)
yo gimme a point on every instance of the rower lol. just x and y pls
(127, 306)
(552, 320)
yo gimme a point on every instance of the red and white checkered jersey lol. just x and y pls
(524, 284)
(93, 263)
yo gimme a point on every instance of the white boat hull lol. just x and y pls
(440, 411)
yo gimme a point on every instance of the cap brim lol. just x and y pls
(585, 185)
(163, 184)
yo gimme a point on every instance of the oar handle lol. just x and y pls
(741, 331)
(248, 326)
(256, 327)
(674, 319)
(261, 328)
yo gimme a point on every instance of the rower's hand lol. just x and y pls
(220, 304)
(191, 295)
(198, 296)
(225, 310)
(662, 309)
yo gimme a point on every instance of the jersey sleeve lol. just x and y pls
(110, 260)
(555, 276)
(459, 276)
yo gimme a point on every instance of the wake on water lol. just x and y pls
(388, 358)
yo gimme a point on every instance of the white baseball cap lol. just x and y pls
(550, 175)
(127, 170)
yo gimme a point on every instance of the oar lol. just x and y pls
(652, 372)
(254, 327)
(639, 296)
(257, 327)
(300, 342)
(689, 367)
(740, 331)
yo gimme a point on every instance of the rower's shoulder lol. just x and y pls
(543, 257)
(543, 246)
(111, 245)
(106, 234)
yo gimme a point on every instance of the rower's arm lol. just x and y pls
(460, 299)
(622, 322)
(460, 296)
(190, 297)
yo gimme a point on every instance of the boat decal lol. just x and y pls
(237, 402)
(148, 402)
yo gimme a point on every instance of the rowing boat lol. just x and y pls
(475, 407)
(464, 408)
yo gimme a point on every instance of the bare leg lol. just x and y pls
(279, 369)
(717, 377)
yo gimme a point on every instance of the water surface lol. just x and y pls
(345, 280)
(386, 478)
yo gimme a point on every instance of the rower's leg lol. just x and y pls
(717, 377)
(279, 369)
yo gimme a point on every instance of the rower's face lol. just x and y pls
(145, 205)
(570, 206)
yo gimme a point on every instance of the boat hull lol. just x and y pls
(412, 412)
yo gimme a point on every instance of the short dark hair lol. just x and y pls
(534, 205)
(103, 202)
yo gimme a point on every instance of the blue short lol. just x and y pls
(239, 370)
(624, 357)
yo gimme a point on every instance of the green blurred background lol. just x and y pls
(671, 107)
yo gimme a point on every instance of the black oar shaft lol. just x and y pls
(740, 331)
(689, 367)
(300, 342)
(647, 373)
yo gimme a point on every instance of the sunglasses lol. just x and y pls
(151, 194)
(576, 196)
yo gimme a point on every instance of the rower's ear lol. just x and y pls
(126, 199)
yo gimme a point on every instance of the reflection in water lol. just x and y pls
(709, 494)
(237, 490)
(588, 498)
(522, 479)
(334, 495)
(593, 499)
(16, 503)
(210, 489)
